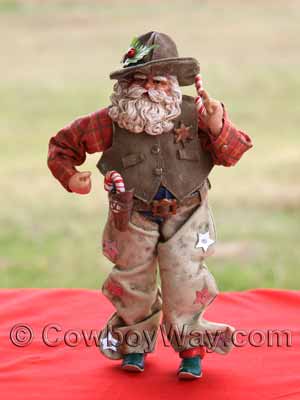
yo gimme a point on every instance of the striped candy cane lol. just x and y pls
(113, 180)
(198, 99)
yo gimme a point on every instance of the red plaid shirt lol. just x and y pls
(93, 133)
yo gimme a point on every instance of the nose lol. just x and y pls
(149, 84)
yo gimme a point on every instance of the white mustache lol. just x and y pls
(135, 92)
(157, 96)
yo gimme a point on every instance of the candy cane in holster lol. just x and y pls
(120, 201)
(114, 181)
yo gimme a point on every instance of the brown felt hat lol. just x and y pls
(157, 53)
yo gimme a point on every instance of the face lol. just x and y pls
(149, 81)
(146, 103)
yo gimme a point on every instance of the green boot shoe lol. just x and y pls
(190, 368)
(133, 362)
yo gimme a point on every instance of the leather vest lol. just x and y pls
(145, 161)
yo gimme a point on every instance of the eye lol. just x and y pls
(140, 80)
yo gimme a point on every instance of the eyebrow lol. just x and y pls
(160, 78)
(139, 75)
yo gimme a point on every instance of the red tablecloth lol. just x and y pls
(81, 372)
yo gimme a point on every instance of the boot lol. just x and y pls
(190, 368)
(133, 362)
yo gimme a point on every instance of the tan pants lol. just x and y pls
(180, 245)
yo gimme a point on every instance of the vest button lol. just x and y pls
(155, 149)
(158, 171)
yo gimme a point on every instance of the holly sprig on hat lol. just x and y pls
(136, 52)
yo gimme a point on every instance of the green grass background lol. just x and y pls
(55, 60)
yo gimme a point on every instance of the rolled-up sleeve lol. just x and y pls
(68, 148)
(228, 146)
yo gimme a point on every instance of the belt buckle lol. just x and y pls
(164, 207)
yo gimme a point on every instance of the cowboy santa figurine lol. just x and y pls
(159, 146)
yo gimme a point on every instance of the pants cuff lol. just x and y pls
(193, 352)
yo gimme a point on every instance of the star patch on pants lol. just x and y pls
(203, 296)
(109, 343)
(204, 241)
(114, 288)
(110, 249)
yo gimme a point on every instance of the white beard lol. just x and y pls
(133, 110)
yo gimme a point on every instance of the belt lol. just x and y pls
(166, 207)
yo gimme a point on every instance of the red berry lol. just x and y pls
(131, 52)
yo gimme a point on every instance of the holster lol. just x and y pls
(121, 206)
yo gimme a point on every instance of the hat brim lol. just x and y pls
(184, 68)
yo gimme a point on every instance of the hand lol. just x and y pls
(80, 182)
(213, 114)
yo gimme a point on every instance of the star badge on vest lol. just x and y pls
(183, 134)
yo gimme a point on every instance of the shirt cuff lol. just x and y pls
(222, 141)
